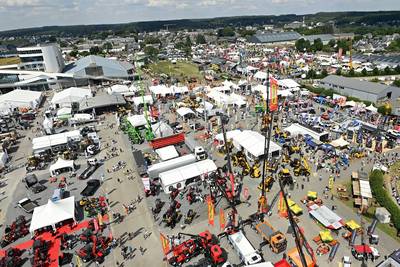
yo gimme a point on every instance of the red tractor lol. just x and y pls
(204, 243)
(40, 253)
(14, 231)
(94, 250)
(12, 258)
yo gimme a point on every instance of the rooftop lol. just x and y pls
(275, 37)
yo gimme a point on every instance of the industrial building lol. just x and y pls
(370, 91)
(275, 37)
(47, 58)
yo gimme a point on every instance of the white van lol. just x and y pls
(247, 254)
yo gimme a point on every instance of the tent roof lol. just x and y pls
(326, 216)
(137, 120)
(166, 153)
(61, 163)
(183, 111)
(288, 83)
(372, 108)
(254, 142)
(52, 213)
(72, 94)
(352, 225)
(139, 100)
(339, 142)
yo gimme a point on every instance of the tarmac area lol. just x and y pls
(139, 232)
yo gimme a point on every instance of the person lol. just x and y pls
(119, 180)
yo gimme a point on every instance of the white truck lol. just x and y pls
(247, 253)
(195, 148)
(155, 169)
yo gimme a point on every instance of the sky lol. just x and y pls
(15, 14)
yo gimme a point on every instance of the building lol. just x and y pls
(275, 37)
(392, 261)
(369, 91)
(47, 58)
(95, 67)
(325, 38)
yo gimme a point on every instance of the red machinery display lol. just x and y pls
(96, 249)
(16, 230)
(40, 253)
(204, 243)
(12, 258)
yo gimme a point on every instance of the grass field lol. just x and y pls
(181, 70)
(9, 60)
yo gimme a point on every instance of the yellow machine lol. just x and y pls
(222, 149)
(237, 158)
(271, 167)
(69, 155)
(285, 176)
(246, 167)
(358, 155)
(266, 120)
(33, 161)
(285, 158)
(255, 171)
(268, 182)
(302, 169)
(295, 163)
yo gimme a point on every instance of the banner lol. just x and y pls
(96, 225)
(282, 210)
(330, 185)
(221, 219)
(164, 244)
(339, 99)
(232, 183)
(210, 211)
(100, 219)
(273, 94)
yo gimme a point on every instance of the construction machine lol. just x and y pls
(303, 169)
(295, 163)
(203, 243)
(292, 149)
(271, 166)
(35, 163)
(69, 155)
(285, 159)
(268, 182)
(255, 170)
(285, 176)
(276, 239)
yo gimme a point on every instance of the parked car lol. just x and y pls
(32, 183)
(91, 188)
(88, 171)
(346, 261)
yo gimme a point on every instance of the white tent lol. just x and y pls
(260, 75)
(326, 216)
(52, 213)
(339, 142)
(161, 90)
(20, 99)
(350, 104)
(70, 95)
(166, 153)
(284, 93)
(64, 111)
(61, 164)
(122, 89)
(184, 111)
(3, 159)
(288, 84)
(137, 120)
(372, 108)
(148, 99)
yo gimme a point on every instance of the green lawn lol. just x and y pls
(9, 61)
(182, 70)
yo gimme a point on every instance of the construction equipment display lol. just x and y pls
(303, 168)
(276, 239)
(204, 243)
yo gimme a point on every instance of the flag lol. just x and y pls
(246, 193)
(221, 219)
(330, 182)
(232, 183)
(96, 225)
(164, 244)
(100, 219)
(78, 261)
(273, 94)
(282, 206)
(210, 211)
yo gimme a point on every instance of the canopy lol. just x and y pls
(326, 236)
(166, 153)
(350, 103)
(339, 142)
(284, 93)
(372, 108)
(362, 249)
(184, 111)
(352, 225)
(61, 164)
(326, 216)
(70, 95)
(137, 120)
(52, 213)
(312, 195)
(260, 75)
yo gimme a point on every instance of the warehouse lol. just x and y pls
(275, 37)
(364, 90)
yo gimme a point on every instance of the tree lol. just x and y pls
(200, 39)
(364, 72)
(95, 50)
(188, 42)
(151, 40)
(385, 109)
(387, 70)
(107, 46)
(318, 45)
(52, 39)
(332, 43)
(226, 32)
(302, 45)
(73, 53)
(375, 71)
(324, 73)
(397, 69)
(151, 51)
(338, 71)
(351, 72)
(396, 83)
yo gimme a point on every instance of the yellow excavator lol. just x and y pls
(255, 170)
(285, 158)
(302, 169)
(285, 176)
(237, 158)
(268, 182)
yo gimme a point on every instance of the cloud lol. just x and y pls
(19, 3)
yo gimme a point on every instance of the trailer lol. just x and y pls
(195, 148)
(155, 169)
(27, 205)
(141, 165)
